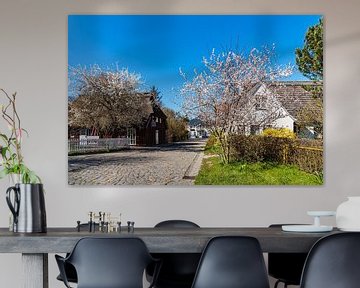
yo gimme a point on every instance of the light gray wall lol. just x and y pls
(33, 59)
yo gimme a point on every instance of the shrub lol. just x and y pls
(278, 149)
(305, 154)
(247, 148)
(308, 157)
(255, 148)
(212, 145)
(279, 133)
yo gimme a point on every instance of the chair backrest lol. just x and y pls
(178, 270)
(232, 262)
(333, 262)
(110, 262)
(176, 224)
(286, 266)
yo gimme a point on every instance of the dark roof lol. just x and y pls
(195, 122)
(158, 111)
(293, 95)
(153, 108)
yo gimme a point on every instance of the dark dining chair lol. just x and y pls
(108, 263)
(70, 271)
(333, 262)
(286, 267)
(232, 262)
(178, 269)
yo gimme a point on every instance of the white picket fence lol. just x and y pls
(93, 145)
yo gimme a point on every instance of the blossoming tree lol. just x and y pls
(220, 95)
(105, 100)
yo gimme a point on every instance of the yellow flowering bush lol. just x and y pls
(279, 133)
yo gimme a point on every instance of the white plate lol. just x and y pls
(306, 228)
(321, 213)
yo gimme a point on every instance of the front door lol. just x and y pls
(156, 137)
(131, 135)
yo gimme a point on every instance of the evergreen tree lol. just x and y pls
(310, 62)
(309, 59)
(156, 97)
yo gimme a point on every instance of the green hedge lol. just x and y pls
(308, 158)
(306, 154)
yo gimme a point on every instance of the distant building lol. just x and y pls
(197, 129)
(153, 130)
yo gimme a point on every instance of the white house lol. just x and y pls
(197, 129)
(280, 102)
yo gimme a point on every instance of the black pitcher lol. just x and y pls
(28, 208)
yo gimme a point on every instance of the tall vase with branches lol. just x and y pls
(11, 158)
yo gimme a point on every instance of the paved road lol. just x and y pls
(175, 164)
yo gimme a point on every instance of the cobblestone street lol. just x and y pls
(175, 164)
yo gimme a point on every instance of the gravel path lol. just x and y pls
(175, 164)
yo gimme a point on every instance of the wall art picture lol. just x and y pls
(195, 100)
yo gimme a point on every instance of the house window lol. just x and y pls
(85, 131)
(241, 129)
(153, 122)
(160, 120)
(260, 103)
(131, 135)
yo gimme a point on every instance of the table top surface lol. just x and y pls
(158, 240)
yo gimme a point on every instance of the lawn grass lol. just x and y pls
(213, 172)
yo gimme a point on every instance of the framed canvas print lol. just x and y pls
(195, 100)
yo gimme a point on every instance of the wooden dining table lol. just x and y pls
(35, 247)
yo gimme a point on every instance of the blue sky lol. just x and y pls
(156, 46)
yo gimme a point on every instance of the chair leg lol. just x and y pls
(279, 281)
